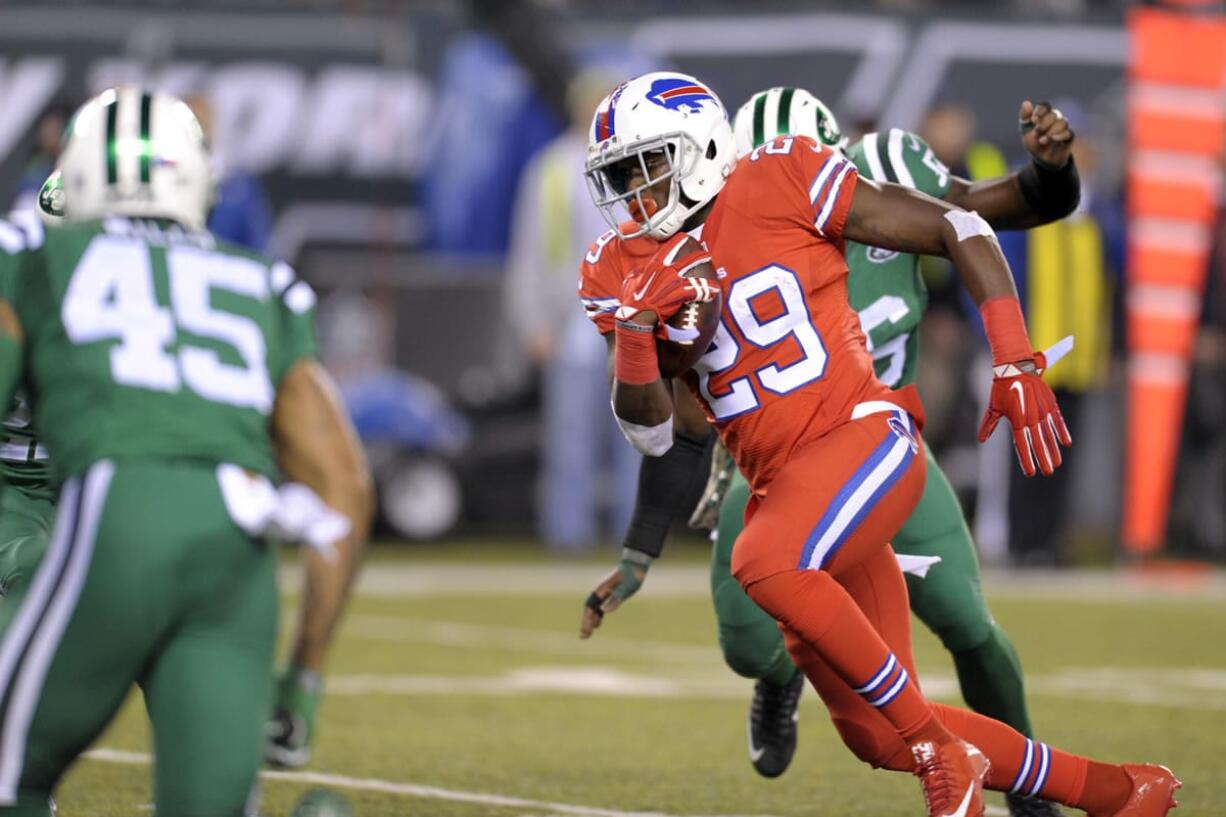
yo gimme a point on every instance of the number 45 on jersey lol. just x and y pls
(111, 295)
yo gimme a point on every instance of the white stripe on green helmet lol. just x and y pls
(779, 111)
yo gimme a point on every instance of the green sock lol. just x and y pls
(781, 670)
(991, 679)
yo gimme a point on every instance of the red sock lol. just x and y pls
(1107, 788)
(1034, 769)
(824, 616)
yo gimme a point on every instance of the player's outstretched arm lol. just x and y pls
(1046, 190)
(898, 218)
(317, 446)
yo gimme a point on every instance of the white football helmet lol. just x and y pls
(675, 115)
(133, 152)
(781, 111)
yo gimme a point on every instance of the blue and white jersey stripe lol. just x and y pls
(826, 187)
(832, 197)
(859, 495)
(833, 164)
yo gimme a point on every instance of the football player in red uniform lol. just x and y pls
(832, 455)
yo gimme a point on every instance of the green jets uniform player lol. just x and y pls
(172, 377)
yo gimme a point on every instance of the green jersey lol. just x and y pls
(147, 341)
(885, 287)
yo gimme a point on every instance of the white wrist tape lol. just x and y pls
(653, 441)
(289, 513)
(968, 225)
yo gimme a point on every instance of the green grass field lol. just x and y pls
(459, 688)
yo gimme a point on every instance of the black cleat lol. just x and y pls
(1029, 807)
(772, 725)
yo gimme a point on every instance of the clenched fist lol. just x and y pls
(1046, 134)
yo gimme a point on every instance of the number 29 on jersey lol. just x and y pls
(741, 394)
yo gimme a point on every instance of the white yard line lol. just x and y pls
(519, 639)
(339, 781)
(1168, 687)
(688, 580)
(601, 682)
(701, 673)
(1203, 690)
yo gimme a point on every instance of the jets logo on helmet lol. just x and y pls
(679, 94)
(662, 128)
(133, 152)
(51, 199)
(783, 111)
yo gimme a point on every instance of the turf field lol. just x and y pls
(459, 688)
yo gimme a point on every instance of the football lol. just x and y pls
(321, 803)
(684, 347)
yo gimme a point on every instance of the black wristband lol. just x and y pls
(666, 484)
(1051, 193)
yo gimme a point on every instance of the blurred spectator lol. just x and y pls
(583, 454)
(490, 121)
(241, 213)
(47, 135)
(948, 128)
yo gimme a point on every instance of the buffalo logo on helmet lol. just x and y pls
(679, 94)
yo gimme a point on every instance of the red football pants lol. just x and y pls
(814, 554)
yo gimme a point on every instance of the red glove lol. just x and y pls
(1032, 411)
(662, 286)
(1019, 393)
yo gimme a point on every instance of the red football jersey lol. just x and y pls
(608, 261)
(789, 361)
(787, 329)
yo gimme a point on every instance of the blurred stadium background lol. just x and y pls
(417, 162)
(387, 149)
